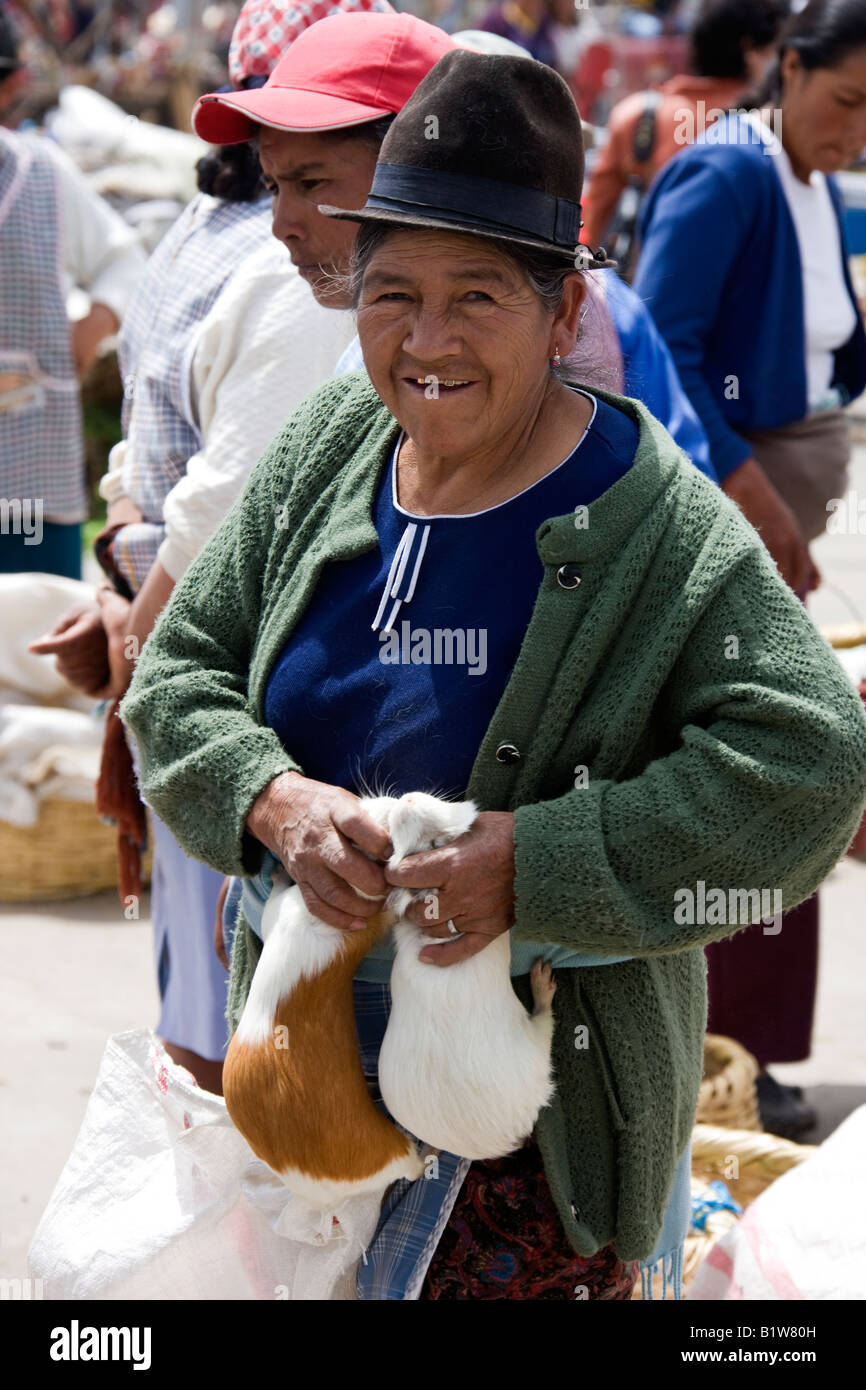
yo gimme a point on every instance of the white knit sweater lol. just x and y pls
(264, 346)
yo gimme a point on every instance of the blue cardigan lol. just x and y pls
(720, 270)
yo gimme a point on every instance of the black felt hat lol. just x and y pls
(489, 145)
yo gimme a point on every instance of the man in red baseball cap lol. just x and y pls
(319, 121)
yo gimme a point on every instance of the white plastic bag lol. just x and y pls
(804, 1237)
(162, 1198)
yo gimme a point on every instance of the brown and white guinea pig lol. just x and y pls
(462, 1066)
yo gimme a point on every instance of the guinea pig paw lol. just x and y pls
(543, 985)
(399, 899)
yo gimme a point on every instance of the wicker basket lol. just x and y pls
(727, 1096)
(844, 635)
(70, 853)
(760, 1158)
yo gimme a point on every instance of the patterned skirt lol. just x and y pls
(504, 1239)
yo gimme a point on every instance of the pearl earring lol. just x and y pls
(557, 360)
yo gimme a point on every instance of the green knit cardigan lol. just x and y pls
(721, 741)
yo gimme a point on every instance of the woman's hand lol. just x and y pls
(471, 882)
(770, 514)
(122, 650)
(314, 830)
(79, 643)
(86, 334)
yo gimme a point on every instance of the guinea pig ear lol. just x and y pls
(404, 828)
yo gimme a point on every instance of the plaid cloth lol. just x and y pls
(41, 449)
(264, 29)
(414, 1214)
(352, 359)
(185, 275)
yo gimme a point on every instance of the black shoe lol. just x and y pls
(795, 1091)
(778, 1088)
(782, 1108)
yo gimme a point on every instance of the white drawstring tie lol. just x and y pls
(396, 575)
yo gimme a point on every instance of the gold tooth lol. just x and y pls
(422, 381)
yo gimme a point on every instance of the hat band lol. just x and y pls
(489, 202)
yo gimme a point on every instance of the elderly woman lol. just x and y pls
(650, 723)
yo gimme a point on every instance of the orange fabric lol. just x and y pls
(616, 164)
(117, 800)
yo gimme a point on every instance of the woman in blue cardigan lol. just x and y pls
(744, 269)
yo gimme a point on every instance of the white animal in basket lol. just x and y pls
(462, 1067)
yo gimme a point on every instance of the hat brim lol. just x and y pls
(228, 118)
(440, 221)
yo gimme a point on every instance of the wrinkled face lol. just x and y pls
(824, 112)
(302, 171)
(455, 340)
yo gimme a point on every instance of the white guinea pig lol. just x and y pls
(463, 1066)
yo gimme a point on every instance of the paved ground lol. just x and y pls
(73, 974)
(77, 972)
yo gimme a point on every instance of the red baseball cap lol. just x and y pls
(341, 71)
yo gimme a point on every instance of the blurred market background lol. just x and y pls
(114, 83)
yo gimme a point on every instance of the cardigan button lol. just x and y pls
(568, 576)
(575, 1211)
(507, 753)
